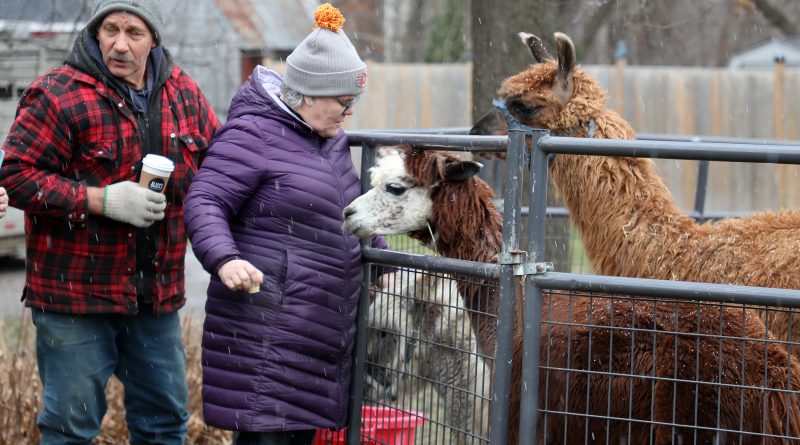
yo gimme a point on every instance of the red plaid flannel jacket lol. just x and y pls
(72, 131)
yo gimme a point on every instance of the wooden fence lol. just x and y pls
(715, 102)
(669, 100)
(682, 101)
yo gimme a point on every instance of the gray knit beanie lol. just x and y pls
(326, 63)
(147, 10)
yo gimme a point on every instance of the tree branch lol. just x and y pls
(599, 18)
(776, 18)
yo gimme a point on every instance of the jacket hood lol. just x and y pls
(260, 96)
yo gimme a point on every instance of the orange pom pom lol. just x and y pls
(328, 17)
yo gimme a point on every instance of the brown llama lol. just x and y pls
(697, 367)
(628, 221)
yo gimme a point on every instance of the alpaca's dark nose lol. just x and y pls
(348, 212)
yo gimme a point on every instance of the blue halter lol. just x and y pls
(574, 130)
(514, 124)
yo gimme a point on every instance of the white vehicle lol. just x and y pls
(12, 233)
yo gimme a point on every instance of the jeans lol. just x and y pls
(301, 437)
(78, 353)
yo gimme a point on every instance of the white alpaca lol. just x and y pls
(422, 328)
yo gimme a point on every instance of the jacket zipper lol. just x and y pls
(347, 270)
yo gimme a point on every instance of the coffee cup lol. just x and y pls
(155, 172)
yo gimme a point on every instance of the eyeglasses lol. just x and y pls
(346, 104)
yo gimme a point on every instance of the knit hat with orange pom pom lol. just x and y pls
(326, 63)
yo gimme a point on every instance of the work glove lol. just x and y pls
(129, 203)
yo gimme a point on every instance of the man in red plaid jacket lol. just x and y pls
(105, 257)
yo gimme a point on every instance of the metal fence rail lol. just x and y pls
(501, 372)
(606, 359)
(559, 239)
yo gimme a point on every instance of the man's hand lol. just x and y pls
(241, 275)
(3, 202)
(127, 202)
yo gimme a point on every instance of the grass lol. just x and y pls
(579, 263)
(403, 243)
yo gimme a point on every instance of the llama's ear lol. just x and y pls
(538, 50)
(460, 170)
(566, 65)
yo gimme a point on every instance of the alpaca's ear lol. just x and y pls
(389, 150)
(566, 65)
(460, 170)
(383, 151)
(538, 50)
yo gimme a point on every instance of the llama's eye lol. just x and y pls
(395, 189)
(522, 111)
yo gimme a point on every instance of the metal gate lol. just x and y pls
(603, 359)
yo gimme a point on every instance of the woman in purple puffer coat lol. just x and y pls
(264, 214)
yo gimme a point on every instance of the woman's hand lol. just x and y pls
(241, 275)
(3, 202)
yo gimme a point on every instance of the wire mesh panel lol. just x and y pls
(425, 357)
(592, 368)
(627, 370)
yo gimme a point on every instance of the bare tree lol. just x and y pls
(497, 54)
(496, 47)
(776, 17)
(675, 32)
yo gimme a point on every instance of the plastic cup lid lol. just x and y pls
(159, 163)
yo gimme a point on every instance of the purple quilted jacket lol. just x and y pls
(272, 191)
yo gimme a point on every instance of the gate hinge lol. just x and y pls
(518, 259)
(514, 258)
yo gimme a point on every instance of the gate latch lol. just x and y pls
(538, 268)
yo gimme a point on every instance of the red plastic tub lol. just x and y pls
(379, 425)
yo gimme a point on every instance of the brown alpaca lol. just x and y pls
(628, 221)
(683, 391)
(675, 342)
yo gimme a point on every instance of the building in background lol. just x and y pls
(766, 54)
(218, 42)
(265, 29)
